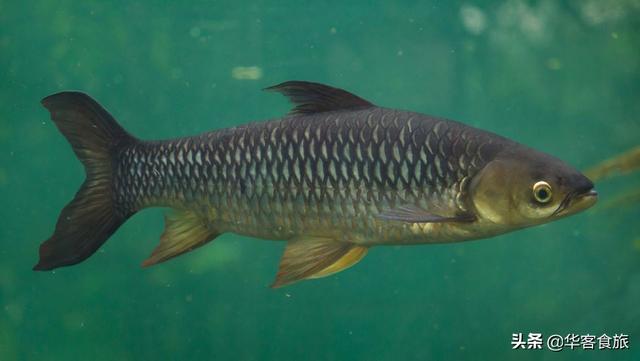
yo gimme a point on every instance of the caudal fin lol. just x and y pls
(92, 216)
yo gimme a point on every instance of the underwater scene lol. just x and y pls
(143, 219)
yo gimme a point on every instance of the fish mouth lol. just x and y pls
(576, 201)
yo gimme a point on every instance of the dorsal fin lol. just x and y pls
(311, 97)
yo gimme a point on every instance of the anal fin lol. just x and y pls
(184, 231)
(315, 258)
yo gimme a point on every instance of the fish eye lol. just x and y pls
(542, 192)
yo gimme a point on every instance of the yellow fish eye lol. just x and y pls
(542, 192)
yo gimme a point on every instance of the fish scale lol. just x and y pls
(336, 170)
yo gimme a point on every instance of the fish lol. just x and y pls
(616, 166)
(334, 177)
(623, 163)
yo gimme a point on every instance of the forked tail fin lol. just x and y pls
(92, 216)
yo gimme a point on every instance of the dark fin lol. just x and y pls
(316, 98)
(315, 258)
(91, 217)
(413, 214)
(184, 231)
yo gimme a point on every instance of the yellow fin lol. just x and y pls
(315, 258)
(353, 256)
(183, 232)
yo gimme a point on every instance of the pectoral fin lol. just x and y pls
(414, 214)
(183, 232)
(315, 258)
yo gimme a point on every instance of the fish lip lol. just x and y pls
(591, 193)
(582, 198)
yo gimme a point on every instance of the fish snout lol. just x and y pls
(585, 185)
(586, 188)
(580, 196)
(584, 196)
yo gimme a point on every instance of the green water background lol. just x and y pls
(563, 77)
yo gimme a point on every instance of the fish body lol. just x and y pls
(326, 174)
(333, 178)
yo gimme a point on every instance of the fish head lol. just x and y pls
(522, 187)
